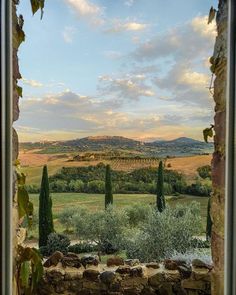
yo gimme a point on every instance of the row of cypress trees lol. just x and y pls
(45, 202)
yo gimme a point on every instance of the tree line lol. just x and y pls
(91, 179)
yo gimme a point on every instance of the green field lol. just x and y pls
(96, 202)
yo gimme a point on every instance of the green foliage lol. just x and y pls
(25, 207)
(108, 187)
(65, 217)
(30, 269)
(164, 233)
(200, 244)
(209, 221)
(137, 214)
(96, 186)
(32, 188)
(208, 132)
(199, 189)
(59, 186)
(45, 210)
(101, 227)
(211, 15)
(160, 189)
(204, 171)
(90, 179)
(55, 242)
(34, 222)
(76, 186)
(36, 5)
(83, 248)
(19, 90)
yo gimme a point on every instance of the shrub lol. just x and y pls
(137, 213)
(198, 243)
(59, 186)
(168, 190)
(204, 171)
(83, 248)
(55, 242)
(96, 186)
(198, 189)
(102, 227)
(164, 233)
(66, 217)
(76, 186)
(33, 188)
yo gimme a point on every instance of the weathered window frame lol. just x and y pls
(230, 185)
(6, 173)
(6, 148)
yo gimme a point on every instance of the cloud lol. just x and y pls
(69, 115)
(112, 54)
(32, 83)
(192, 40)
(186, 85)
(129, 87)
(85, 9)
(129, 3)
(126, 26)
(68, 34)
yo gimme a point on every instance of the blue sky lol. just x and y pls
(136, 68)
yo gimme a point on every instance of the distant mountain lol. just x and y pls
(179, 141)
(182, 146)
(98, 142)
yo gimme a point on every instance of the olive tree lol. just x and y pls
(165, 233)
(102, 227)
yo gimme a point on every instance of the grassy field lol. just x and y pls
(96, 202)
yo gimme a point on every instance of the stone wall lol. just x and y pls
(129, 277)
(219, 69)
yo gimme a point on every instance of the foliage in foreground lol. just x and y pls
(164, 233)
(156, 236)
(55, 242)
(103, 228)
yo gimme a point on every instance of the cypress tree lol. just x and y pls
(108, 187)
(160, 201)
(209, 221)
(45, 210)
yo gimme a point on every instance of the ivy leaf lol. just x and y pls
(36, 5)
(212, 14)
(21, 179)
(20, 35)
(208, 132)
(19, 90)
(25, 274)
(23, 201)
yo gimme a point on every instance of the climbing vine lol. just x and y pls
(29, 267)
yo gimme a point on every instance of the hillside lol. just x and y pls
(182, 146)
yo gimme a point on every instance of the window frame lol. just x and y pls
(6, 174)
(230, 180)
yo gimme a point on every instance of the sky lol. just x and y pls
(133, 68)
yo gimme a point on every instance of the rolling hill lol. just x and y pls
(182, 146)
